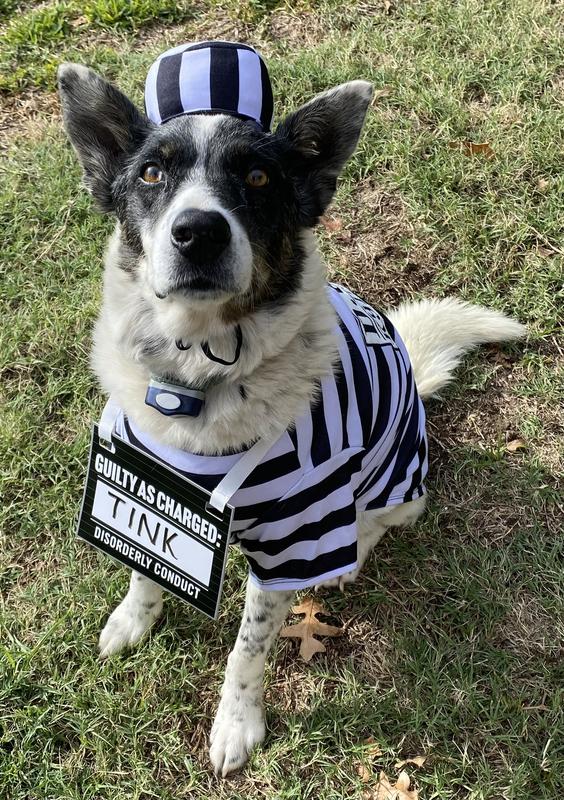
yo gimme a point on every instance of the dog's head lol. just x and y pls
(211, 207)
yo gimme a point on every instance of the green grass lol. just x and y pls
(454, 637)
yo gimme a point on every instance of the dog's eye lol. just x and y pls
(257, 178)
(152, 174)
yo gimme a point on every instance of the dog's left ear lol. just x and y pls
(103, 125)
(323, 135)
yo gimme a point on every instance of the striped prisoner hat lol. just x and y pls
(212, 77)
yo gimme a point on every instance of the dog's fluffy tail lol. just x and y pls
(437, 333)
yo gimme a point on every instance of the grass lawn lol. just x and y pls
(453, 642)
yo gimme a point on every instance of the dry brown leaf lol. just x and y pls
(332, 223)
(543, 184)
(515, 444)
(310, 624)
(387, 6)
(385, 91)
(384, 790)
(417, 760)
(473, 148)
(374, 749)
(545, 252)
(498, 356)
(363, 772)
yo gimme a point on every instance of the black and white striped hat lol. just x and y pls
(210, 77)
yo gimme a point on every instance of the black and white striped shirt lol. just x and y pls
(360, 446)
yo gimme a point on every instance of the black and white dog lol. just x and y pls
(213, 242)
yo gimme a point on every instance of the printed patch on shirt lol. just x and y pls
(371, 321)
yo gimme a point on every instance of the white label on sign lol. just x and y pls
(142, 526)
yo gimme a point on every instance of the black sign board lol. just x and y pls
(154, 520)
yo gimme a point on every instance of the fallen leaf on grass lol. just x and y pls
(499, 356)
(385, 91)
(332, 223)
(543, 184)
(515, 444)
(363, 772)
(374, 750)
(473, 148)
(418, 761)
(545, 252)
(384, 790)
(310, 624)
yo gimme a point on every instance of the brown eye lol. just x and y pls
(257, 178)
(152, 174)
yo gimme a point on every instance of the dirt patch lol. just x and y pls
(26, 115)
(372, 653)
(557, 84)
(293, 687)
(492, 415)
(293, 29)
(214, 23)
(376, 250)
(529, 631)
(296, 30)
(482, 490)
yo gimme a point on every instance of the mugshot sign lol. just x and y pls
(152, 519)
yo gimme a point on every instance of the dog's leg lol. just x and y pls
(239, 722)
(133, 617)
(372, 525)
(369, 534)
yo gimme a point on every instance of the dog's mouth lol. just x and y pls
(199, 288)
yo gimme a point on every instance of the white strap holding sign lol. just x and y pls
(234, 479)
(108, 421)
(238, 474)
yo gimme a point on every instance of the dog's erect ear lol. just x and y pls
(323, 134)
(103, 125)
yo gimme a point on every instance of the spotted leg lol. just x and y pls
(133, 617)
(239, 722)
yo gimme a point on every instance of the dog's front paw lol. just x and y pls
(238, 727)
(126, 625)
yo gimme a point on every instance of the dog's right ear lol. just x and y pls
(103, 126)
(323, 135)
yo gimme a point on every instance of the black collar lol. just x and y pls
(173, 398)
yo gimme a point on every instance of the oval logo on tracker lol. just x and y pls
(168, 401)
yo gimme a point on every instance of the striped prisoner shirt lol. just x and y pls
(360, 446)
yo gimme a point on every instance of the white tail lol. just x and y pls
(437, 333)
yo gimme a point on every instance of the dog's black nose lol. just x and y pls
(200, 235)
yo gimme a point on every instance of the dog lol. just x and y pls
(213, 280)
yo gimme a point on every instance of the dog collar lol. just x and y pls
(173, 399)
(176, 399)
